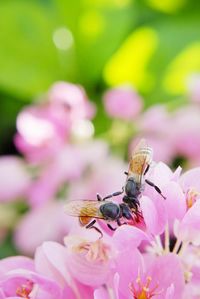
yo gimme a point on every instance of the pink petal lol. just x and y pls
(73, 98)
(14, 262)
(127, 236)
(101, 293)
(129, 264)
(190, 225)
(14, 178)
(170, 292)
(122, 102)
(176, 174)
(175, 201)
(51, 260)
(166, 271)
(190, 179)
(11, 281)
(162, 174)
(154, 214)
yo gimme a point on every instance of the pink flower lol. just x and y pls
(51, 260)
(155, 126)
(149, 276)
(187, 202)
(90, 262)
(18, 279)
(42, 130)
(14, 177)
(162, 278)
(185, 132)
(144, 274)
(73, 98)
(122, 102)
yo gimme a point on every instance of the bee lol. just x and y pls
(139, 165)
(87, 210)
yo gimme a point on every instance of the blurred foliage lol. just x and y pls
(152, 44)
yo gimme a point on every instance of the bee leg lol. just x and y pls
(110, 227)
(114, 194)
(125, 172)
(155, 187)
(147, 169)
(99, 198)
(120, 223)
(91, 225)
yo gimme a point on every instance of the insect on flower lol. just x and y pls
(139, 165)
(109, 211)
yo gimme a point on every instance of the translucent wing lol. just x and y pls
(141, 159)
(84, 208)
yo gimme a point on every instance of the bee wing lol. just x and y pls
(84, 208)
(140, 159)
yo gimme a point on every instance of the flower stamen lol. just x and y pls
(191, 197)
(142, 290)
(95, 251)
(24, 290)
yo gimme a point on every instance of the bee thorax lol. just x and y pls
(110, 211)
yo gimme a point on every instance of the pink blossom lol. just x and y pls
(90, 262)
(122, 102)
(127, 236)
(73, 98)
(162, 278)
(155, 210)
(42, 130)
(155, 126)
(151, 277)
(187, 226)
(185, 132)
(14, 177)
(18, 278)
(51, 260)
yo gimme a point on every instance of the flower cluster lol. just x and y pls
(156, 255)
(161, 127)
(157, 259)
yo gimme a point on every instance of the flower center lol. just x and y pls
(140, 290)
(95, 251)
(24, 290)
(191, 197)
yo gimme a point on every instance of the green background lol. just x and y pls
(153, 45)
